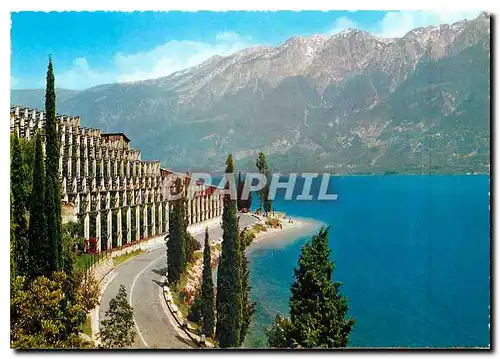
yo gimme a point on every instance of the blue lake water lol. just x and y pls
(413, 253)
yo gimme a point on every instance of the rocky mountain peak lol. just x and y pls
(316, 101)
(459, 25)
(352, 32)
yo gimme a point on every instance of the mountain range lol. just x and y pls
(348, 103)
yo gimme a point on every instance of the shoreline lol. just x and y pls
(263, 239)
(300, 227)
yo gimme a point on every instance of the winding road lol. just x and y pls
(143, 276)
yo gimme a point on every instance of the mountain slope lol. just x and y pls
(36, 97)
(349, 103)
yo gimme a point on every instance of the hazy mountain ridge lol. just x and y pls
(352, 102)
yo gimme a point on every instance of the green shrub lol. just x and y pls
(194, 312)
(248, 236)
(192, 246)
(259, 227)
(273, 221)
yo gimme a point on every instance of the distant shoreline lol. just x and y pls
(352, 174)
(410, 174)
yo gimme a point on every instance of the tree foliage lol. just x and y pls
(263, 167)
(192, 245)
(18, 206)
(247, 237)
(48, 301)
(239, 193)
(242, 202)
(248, 201)
(39, 250)
(207, 291)
(248, 304)
(11, 247)
(89, 292)
(71, 241)
(279, 334)
(229, 291)
(268, 204)
(53, 191)
(28, 151)
(317, 308)
(42, 315)
(195, 311)
(177, 243)
(117, 327)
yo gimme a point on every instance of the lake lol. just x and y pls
(413, 253)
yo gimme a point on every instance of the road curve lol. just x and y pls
(143, 276)
(215, 233)
(154, 325)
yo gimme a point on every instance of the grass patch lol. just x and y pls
(125, 257)
(86, 327)
(83, 261)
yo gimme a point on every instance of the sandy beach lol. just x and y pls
(279, 237)
(271, 238)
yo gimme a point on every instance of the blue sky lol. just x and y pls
(92, 48)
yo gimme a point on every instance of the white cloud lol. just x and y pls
(341, 24)
(398, 23)
(161, 61)
(81, 76)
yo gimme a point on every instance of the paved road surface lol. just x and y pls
(215, 233)
(143, 276)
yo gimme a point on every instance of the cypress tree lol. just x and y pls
(240, 201)
(28, 154)
(267, 202)
(39, 251)
(183, 230)
(52, 186)
(248, 202)
(207, 291)
(173, 244)
(229, 296)
(248, 304)
(245, 203)
(176, 245)
(317, 308)
(263, 167)
(316, 301)
(18, 214)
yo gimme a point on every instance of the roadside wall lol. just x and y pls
(144, 245)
